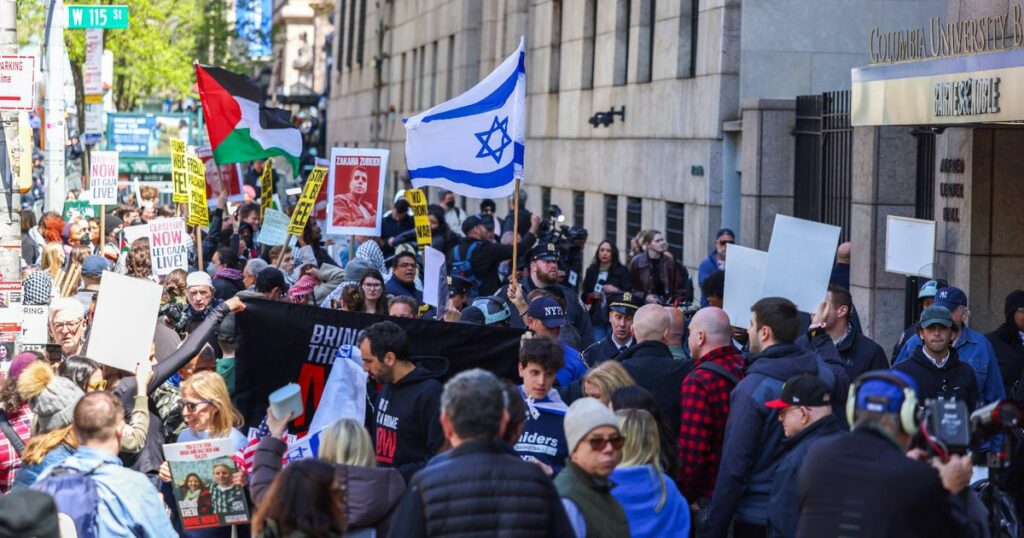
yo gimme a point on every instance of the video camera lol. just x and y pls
(948, 428)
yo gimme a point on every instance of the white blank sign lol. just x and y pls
(125, 320)
(800, 261)
(744, 273)
(909, 246)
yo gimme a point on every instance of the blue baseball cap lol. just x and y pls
(548, 311)
(882, 395)
(94, 266)
(929, 289)
(951, 298)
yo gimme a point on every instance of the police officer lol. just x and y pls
(543, 274)
(458, 292)
(621, 308)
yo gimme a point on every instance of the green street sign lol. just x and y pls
(106, 17)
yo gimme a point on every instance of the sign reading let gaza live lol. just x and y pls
(108, 17)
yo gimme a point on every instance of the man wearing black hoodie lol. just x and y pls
(753, 436)
(651, 364)
(406, 411)
(935, 366)
(858, 352)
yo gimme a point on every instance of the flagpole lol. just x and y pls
(515, 231)
(199, 248)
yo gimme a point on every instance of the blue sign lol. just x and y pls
(253, 21)
(145, 135)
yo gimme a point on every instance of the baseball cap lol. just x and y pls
(471, 222)
(94, 266)
(951, 298)
(936, 315)
(543, 251)
(472, 315)
(725, 231)
(458, 285)
(198, 278)
(548, 311)
(804, 390)
(624, 303)
(929, 289)
(270, 278)
(882, 395)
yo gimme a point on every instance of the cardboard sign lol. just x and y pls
(231, 174)
(355, 191)
(909, 246)
(266, 187)
(168, 247)
(124, 322)
(202, 473)
(744, 275)
(17, 82)
(198, 214)
(34, 321)
(304, 207)
(274, 228)
(179, 172)
(103, 178)
(418, 203)
(799, 263)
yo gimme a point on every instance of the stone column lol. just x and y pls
(767, 185)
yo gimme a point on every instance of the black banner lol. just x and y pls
(284, 342)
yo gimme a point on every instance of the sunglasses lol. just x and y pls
(192, 406)
(99, 385)
(597, 444)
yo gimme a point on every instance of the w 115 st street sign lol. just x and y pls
(108, 17)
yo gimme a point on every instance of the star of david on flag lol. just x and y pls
(473, 144)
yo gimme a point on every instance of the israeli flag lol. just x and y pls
(473, 144)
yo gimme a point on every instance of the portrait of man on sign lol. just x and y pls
(352, 208)
(355, 191)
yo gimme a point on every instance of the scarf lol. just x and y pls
(37, 288)
(370, 251)
(228, 274)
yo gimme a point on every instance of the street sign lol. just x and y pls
(17, 80)
(92, 68)
(107, 17)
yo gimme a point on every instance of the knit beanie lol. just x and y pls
(1014, 301)
(584, 415)
(51, 397)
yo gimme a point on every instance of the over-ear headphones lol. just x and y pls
(908, 409)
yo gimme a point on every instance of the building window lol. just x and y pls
(545, 201)
(340, 33)
(433, 74)
(675, 219)
(351, 33)
(589, 42)
(362, 31)
(622, 9)
(645, 41)
(611, 218)
(401, 86)
(413, 79)
(634, 216)
(688, 18)
(555, 65)
(421, 78)
(451, 68)
(578, 206)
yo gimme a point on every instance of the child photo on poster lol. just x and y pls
(355, 187)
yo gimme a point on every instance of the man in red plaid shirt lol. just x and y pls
(704, 402)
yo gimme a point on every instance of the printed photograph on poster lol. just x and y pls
(355, 187)
(207, 487)
(232, 178)
(6, 353)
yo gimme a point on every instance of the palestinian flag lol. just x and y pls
(241, 129)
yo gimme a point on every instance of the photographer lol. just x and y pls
(867, 484)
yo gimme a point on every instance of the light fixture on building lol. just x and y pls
(607, 118)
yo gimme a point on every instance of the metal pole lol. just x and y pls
(56, 186)
(10, 216)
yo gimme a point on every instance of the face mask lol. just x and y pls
(211, 269)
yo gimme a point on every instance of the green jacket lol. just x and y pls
(603, 514)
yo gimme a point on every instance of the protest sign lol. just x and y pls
(418, 203)
(198, 215)
(355, 191)
(34, 324)
(124, 322)
(168, 246)
(284, 342)
(138, 231)
(744, 274)
(435, 280)
(909, 246)
(274, 228)
(179, 172)
(78, 208)
(266, 186)
(202, 474)
(229, 174)
(304, 207)
(103, 177)
(799, 264)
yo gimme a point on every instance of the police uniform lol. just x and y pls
(624, 303)
(459, 286)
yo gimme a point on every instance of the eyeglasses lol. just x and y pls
(597, 444)
(67, 325)
(192, 406)
(99, 385)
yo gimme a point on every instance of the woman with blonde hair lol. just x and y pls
(52, 259)
(373, 493)
(602, 381)
(653, 504)
(52, 398)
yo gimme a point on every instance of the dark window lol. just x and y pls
(589, 42)
(611, 218)
(351, 33)
(433, 74)
(686, 64)
(545, 201)
(401, 86)
(362, 31)
(622, 13)
(555, 64)
(675, 219)
(451, 68)
(340, 33)
(645, 37)
(634, 216)
(578, 206)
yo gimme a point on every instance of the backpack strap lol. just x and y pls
(720, 370)
(11, 434)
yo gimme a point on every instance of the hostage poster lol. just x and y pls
(207, 487)
(355, 190)
(284, 342)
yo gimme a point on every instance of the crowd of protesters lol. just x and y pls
(634, 414)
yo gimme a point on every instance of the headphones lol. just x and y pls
(908, 409)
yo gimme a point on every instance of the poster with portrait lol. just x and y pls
(231, 174)
(355, 190)
(206, 486)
